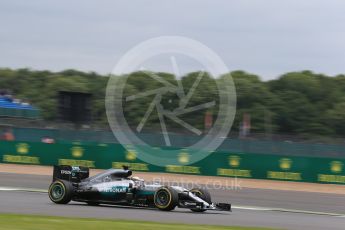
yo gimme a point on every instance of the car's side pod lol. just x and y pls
(70, 173)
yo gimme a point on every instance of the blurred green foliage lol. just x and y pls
(298, 102)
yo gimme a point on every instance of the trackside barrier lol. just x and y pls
(226, 164)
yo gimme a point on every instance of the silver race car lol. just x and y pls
(119, 187)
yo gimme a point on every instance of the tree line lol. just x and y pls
(303, 103)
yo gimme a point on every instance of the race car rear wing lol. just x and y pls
(70, 173)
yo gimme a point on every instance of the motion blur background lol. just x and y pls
(286, 60)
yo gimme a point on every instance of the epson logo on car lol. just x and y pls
(65, 172)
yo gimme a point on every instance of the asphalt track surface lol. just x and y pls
(248, 209)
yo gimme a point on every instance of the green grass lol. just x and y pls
(33, 222)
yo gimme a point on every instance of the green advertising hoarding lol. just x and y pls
(225, 164)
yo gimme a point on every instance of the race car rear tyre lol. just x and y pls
(60, 191)
(165, 198)
(203, 194)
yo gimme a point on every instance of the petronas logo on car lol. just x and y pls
(119, 189)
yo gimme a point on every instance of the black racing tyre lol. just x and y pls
(165, 198)
(203, 194)
(60, 191)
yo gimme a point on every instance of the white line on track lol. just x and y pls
(23, 189)
(254, 208)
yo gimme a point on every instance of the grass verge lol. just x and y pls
(33, 222)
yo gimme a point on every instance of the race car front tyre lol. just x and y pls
(203, 194)
(60, 191)
(165, 198)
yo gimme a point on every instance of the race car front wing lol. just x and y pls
(201, 205)
(195, 202)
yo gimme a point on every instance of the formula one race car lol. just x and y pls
(118, 187)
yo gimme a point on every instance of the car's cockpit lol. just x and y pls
(110, 175)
